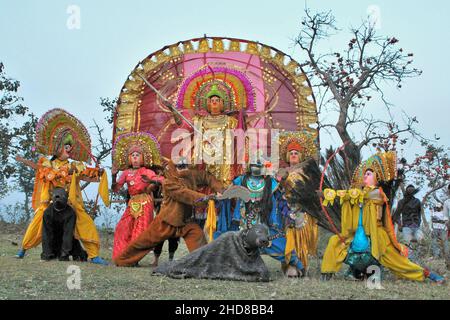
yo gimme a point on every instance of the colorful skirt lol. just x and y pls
(136, 218)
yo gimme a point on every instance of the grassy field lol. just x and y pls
(31, 278)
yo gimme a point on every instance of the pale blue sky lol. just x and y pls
(73, 68)
(66, 68)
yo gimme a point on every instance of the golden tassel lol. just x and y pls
(211, 219)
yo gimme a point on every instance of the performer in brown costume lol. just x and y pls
(175, 216)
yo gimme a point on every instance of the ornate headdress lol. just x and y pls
(142, 142)
(305, 143)
(57, 128)
(383, 164)
(215, 92)
(229, 83)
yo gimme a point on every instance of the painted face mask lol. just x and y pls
(136, 159)
(65, 152)
(370, 179)
(294, 157)
(256, 170)
(215, 105)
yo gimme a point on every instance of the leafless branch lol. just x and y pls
(102, 148)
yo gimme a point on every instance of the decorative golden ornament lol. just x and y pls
(188, 47)
(175, 51)
(266, 52)
(145, 142)
(203, 46)
(329, 196)
(133, 85)
(341, 194)
(252, 48)
(235, 45)
(279, 59)
(161, 57)
(218, 45)
(148, 65)
(355, 195)
(292, 66)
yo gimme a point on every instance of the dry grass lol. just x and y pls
(32, 279)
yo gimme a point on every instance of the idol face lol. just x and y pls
(215, 105)
(370, 179)
(65, 152)
(136, 159)
(294, 157)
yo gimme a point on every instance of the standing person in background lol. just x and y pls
(408, 216)
(439, 222)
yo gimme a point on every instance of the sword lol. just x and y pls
(235, 192)
(173, 109)
(168, 104)
(232, 192)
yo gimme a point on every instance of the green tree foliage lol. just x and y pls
(23, 176)
(11, 111)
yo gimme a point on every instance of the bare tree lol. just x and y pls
(103, 146)
(101, 149)
(347, 81)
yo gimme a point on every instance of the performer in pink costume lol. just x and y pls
(140, 180)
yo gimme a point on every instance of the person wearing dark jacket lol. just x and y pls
(408, 216)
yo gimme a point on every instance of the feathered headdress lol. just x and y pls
(57, 128)
(383, 164)
(142, 142)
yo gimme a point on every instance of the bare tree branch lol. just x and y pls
(102, 148)
(351, 78)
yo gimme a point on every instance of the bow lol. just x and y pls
(335, 230)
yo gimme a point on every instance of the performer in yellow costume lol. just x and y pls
(61, 135)
(367, 234)
(295, 148)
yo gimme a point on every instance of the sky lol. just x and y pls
(72, 68)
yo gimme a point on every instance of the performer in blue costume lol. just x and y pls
(267, 206)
